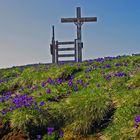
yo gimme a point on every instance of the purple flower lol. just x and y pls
(41, 103)
(119, 74)
(30, 98)
(5, 111)
(88, 77)
(1, 81)
(61, 134)
(2, 99)
(59, 81)
(76, 88)
(107, 66)
(118, 64)
(28, 87)
(125, 64)
(86, 71)
(48, 90)
(107, 77)
(103, 72)
(50, 130)
(18, 106)
(71, 77)
(68, 92)
(136, 126)
(43, 84)
(81, 81)
(70, 83)
(137, 119)
(94, 67)
(35, 103)
(49, 81)
(98, 85)
(11, 108)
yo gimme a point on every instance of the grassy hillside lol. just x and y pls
(94, 100)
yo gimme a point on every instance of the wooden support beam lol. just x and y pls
(88, 19)
(68, 20)
(66, 43)
(66, 55)
(79, 19)
(66, 49)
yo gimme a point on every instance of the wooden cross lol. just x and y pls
(78, 22)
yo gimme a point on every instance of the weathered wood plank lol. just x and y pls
(56, 51)
(88, 19)
(83, 19)
(66, 43)
(66, 55)
(78, 12)
(75, 50)
(66, 49)
(67, 20)
(80, 52)
(67, 61)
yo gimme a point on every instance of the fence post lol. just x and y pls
(75, 49)
(56, 52)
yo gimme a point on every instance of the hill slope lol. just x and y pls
(95, 99)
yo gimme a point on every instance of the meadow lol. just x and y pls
(96, 99)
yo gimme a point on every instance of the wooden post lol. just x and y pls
(75, 49)
(79, 24)
(52, 46)
(57, 52)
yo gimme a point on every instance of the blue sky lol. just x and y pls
(25, 28)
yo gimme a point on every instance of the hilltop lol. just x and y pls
(94, 100)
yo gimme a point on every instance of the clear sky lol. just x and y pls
(25, 28)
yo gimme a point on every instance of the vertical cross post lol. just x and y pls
(79, 38)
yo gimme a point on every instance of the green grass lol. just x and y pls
(90, 104)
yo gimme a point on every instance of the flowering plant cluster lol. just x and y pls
(107, 77)
(5, 97)
(19, 101)
(106, 66)
(51, 134)
(137, 121)
(120, 64)
(119, 74)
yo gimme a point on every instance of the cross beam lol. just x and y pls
(78, 22)
(83, 19)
